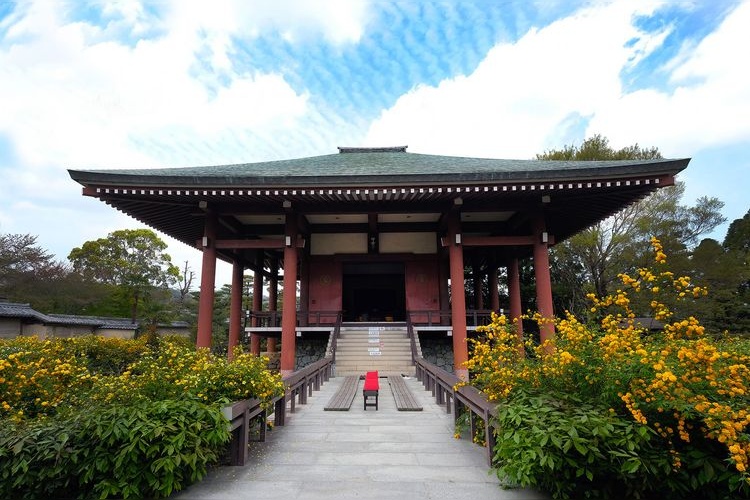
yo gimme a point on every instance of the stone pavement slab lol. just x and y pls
(383, 454)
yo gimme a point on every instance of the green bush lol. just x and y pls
(687, 392)
(146, 449)
(574, 449)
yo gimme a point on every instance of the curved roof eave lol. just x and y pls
(381, 169)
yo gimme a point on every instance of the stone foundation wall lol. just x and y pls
(310, 350)
(438, 350)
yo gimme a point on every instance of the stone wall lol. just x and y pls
(310, 350)
(437, 348)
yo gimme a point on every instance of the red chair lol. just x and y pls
(371, 389)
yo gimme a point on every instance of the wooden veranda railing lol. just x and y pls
(474, 317)
(272, 319)
(448, 390)
(297, 387)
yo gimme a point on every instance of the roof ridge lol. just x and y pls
(386, 149)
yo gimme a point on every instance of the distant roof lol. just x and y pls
(25, 311)
(97, 321)
(16, 310)
(375, 166)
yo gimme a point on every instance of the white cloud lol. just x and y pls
(520, 96)
(86, 96)
(707, 105)
(78, 95)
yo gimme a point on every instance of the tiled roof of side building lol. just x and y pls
(97, 321)
(17, 310)
(378, 166)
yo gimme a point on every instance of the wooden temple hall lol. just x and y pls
(376, 234)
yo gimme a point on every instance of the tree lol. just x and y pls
(131, 259)
(598, 148)
(738, 235)
(726, 274)
(737, 245)
(620, 242)
(28, 273)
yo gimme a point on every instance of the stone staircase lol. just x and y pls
(362, 348)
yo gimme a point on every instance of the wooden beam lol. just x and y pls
(496, 241)
(263, 243)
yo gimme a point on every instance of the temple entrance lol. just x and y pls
(374, 291)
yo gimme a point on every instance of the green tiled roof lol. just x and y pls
(376, 166)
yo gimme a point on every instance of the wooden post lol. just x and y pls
(235, 307)
(257, 301)
(543, 281)
(208, 282)
(273, 294)
(289, 312)
(458, 299)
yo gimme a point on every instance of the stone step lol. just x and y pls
(383, 370)
(365, 335)
(399, 344)
(374, 359)
(392, 343)
(364, 352)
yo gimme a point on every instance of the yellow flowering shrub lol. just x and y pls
(38, 377)
(691, 390)
(92, 417)
(174, 371)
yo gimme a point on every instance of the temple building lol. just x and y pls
(377, 234)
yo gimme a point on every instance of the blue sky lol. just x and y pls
(180, 83)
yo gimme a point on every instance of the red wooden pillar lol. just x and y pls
(543, 281)
(273, 294)
(289, 308)
(208, 282)
(514, 292)
(257, 302)
(458, 299)
(235, 307)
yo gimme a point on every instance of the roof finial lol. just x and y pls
(390, 149)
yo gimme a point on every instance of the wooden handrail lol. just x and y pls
(303, 318)
(474, 317)
(446, 388)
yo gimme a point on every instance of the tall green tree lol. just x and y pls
(133, 260)
(738, 235)
(30, 274)
(620, 242)
(737, 245)
(726, 274)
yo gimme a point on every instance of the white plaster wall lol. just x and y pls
(417, 243)
(338, 243)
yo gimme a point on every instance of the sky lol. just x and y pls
(177, 83)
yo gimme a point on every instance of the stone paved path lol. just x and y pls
(384, 454)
